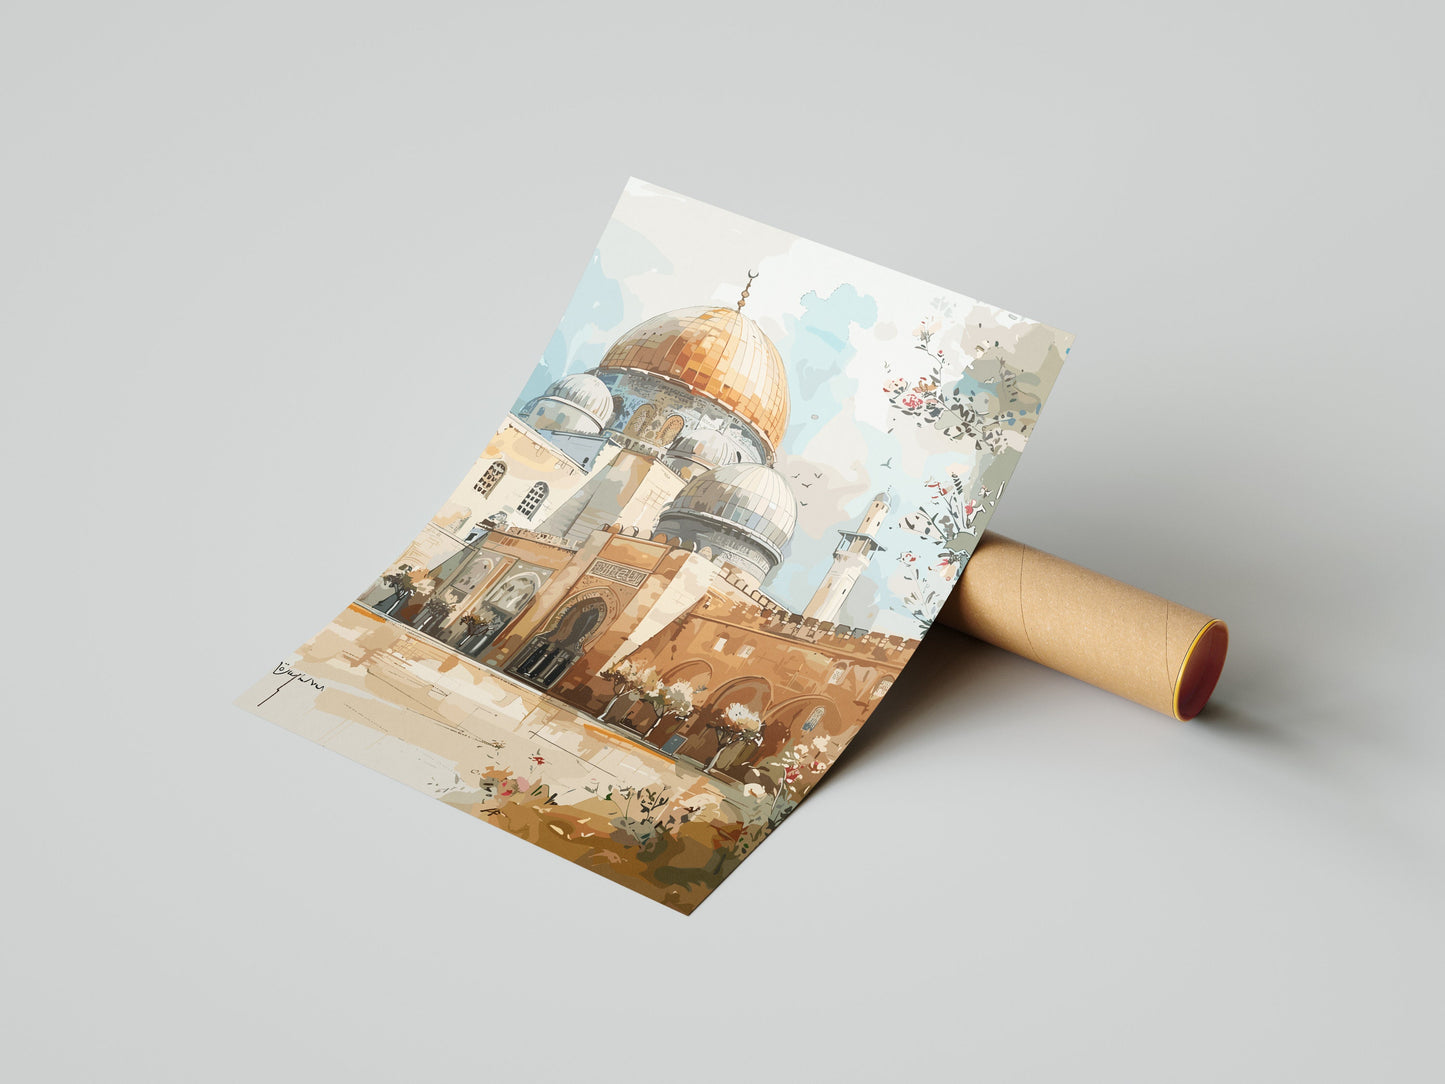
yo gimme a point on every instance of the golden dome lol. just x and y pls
(719, 354)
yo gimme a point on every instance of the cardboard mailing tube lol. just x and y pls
(1119, 638)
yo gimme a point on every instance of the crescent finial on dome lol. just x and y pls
(744, 299)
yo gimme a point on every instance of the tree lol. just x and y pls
(433, 612)
(402, 588)
(737, 723)
(630, 680)
(673, 700)
(643, 683)
(476, 626)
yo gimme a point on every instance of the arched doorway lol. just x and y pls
(701, 738)
(548, 655)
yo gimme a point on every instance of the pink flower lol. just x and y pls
(909, 557)
(911, 401)
(970, 508)
(792, 774)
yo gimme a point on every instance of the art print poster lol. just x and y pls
(694, 556)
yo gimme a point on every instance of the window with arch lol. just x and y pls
(640, 420)
(511, 595)
(490, 477)
(814, 718)
(839, 672)
(671, 430)
(882, 687)
(533, 500)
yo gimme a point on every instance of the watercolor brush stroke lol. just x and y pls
(694, 556)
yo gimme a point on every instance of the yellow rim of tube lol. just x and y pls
(1184, 668)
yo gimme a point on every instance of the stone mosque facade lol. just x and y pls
(634, 512)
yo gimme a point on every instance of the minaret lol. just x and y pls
(851, 556)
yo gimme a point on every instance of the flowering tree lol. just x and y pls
(630, 680)
(669, 701)
(737, 723)
(643, 683)
(976, 403)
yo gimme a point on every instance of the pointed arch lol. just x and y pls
(568, 633)
(695, 672)
(514, 592)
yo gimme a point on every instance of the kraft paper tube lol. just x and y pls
(1119, 638)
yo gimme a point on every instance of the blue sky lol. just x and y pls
(843, 326)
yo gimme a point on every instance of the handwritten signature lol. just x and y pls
(282, 670)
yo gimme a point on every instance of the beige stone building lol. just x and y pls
(632, 514)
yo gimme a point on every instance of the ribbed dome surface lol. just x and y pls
(717, 353)
(713, 446)
(748, 496)
(585, 391)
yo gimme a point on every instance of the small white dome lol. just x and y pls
(713, 447)
(586, 392)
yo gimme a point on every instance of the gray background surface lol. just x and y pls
(269, 274)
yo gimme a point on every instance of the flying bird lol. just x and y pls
(887, 462)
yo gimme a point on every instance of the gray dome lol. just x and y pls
(747, 497)
(714, 447)
(586, 392)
